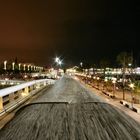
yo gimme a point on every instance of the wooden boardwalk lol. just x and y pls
(70, 114)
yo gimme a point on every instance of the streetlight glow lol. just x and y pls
(19, 65)
(60, 62)
(131, 85)
(13, 66)
(132, 97)
(114, 81)
(24, 67)
(98, 78)
(28, 67)
(81, 64)
(57, 60)
(5, 65)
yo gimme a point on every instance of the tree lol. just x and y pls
(104, 64)
(124, 59)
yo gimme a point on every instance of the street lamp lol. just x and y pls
(60, 62)
(94, 77)
(28, 67)
(5, 65)
(57, 60)
(105, 81)
(114, 88)
(132, 98)
(98, 78)
(34, 68)
(31, 68)
(19, 66)
(13, 66)
(81, 64)
(24, 67)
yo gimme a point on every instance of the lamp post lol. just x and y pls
(28, 67)
(114, 87)
(24, 67)
(132, 98)
(19, 66)
(105, 81)
(34, 68)
(81, 64)
(129, 64)
(31, 68)
(94, 78)
(57, 59)
(60, 63)
(98, 78)
(5, 65)
(13, 66)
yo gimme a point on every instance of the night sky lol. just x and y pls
(77, 30)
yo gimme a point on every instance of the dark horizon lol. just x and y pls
(86, 31)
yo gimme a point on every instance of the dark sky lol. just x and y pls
(78, 30)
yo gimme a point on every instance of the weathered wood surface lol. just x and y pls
(83, 117)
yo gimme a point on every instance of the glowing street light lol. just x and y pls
(24, 67)
(57, 60)
(131, 85)
(34, 68)
(104, 83)
(13, 66)
(98, 78)
(28, 67)
(94, 77)
(5, 65)
(19, 66)
(60, 62)
(31, 68)
(81, 64)
(114, 83)
(132, 98)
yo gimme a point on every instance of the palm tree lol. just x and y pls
(124, 59)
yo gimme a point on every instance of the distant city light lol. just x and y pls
(5, 63)
(98, 78)
(25, 76)
(13, 66)
(60, 62)
(19, 65)
(81, 64)
(57, 60)
(131, 85)
(24, 67)
(114, 81)
(6, 79)
(28, 67)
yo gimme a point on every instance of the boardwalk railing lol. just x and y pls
(13, 96)
(10, 82)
